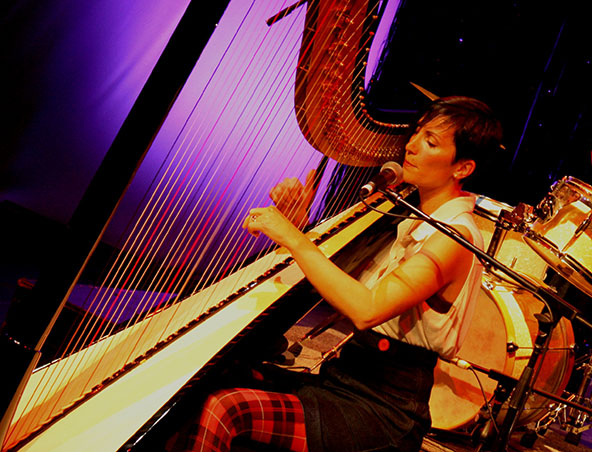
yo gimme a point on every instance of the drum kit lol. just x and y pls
(504, 336)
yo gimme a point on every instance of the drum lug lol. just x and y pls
(511, 347)
(545, 210)
(488, 284)
(581, 228)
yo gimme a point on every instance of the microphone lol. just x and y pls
(391, 173)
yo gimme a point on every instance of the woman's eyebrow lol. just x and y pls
(432, 134)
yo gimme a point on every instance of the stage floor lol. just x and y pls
(552, 441)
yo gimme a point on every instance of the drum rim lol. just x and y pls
(507, 302)
(584, 189)
(533, 238)
(516, 332)
(576, 181)
(483, 212)
(480, 198)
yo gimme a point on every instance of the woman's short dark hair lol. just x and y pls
(477, 134)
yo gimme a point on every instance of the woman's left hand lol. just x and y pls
(271, 222)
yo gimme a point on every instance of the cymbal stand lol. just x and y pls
(502, 226)
(486, 426)
(577, 419)
(572, 413)
(547, 319)
(556, 412)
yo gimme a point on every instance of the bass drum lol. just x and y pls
(501, 338)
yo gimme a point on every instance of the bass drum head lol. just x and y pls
(500, 338)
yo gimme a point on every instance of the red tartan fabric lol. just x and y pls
(267, 417)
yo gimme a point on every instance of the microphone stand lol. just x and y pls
(555, 306)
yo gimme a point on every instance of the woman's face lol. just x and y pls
(429, 155)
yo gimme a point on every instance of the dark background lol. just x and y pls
(530, 61)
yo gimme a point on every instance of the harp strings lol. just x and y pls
(205, 211)
(141, 240)
(187, 235)
(160, 216)
(352, 178)
(161, 213)
(223, 252)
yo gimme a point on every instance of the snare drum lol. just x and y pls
(501, 338)
(562, 235)
(513, 252)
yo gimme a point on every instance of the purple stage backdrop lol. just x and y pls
(93, 61)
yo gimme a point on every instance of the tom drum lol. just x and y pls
(562, 234)
(513, 251)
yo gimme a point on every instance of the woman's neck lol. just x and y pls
(431, 200)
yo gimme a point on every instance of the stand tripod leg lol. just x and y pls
(524, 385)
(576, 419)
(487, 428)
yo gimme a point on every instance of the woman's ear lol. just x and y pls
(464, 168)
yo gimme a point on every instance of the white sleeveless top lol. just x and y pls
(421, 325)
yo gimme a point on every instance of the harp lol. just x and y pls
(185, 282)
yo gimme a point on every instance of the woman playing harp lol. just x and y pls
(416, 308)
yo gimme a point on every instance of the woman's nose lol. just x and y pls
(410, 147)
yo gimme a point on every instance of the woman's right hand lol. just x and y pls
(271, 222)
(294, 199)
